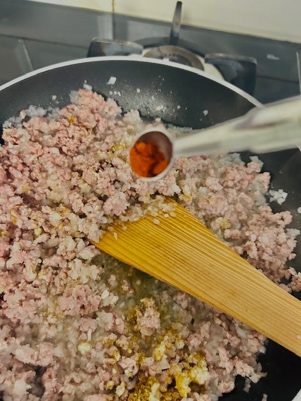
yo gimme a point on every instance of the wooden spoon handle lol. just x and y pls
(182, 252)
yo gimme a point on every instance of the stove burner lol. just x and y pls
(172, 51)
(236, 69)
(176, 54)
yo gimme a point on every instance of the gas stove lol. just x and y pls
(35, 35)
(240, 70)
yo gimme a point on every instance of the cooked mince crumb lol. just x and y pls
(76, 324)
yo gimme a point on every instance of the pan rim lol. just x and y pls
(168, 63)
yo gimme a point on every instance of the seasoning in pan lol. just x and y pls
(147, 160)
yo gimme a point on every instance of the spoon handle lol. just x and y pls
(276, 126)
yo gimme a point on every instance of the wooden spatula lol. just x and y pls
(182, 252)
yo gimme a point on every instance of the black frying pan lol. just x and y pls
(146, 85)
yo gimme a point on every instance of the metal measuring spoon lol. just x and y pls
(276, 126)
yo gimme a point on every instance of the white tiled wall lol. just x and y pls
(277, 19)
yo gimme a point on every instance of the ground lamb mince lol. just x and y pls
(76, 324)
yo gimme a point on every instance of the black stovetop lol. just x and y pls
(34, 35)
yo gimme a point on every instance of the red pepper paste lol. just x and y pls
(147, 160)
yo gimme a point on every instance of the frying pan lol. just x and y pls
(186, 97)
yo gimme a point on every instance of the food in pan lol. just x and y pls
(76, 324)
